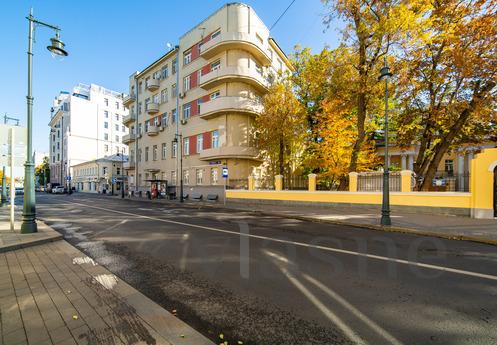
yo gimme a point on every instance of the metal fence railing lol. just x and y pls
(296, 183)
(264, 183)
(447, 181)
(373, 182)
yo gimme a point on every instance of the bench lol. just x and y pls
(197, 196)
(212, 197)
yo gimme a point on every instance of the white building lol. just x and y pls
(19, 150)
(85, 125)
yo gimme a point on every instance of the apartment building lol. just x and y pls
(202, 95)
(85, 124)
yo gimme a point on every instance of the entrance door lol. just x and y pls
(495, 192)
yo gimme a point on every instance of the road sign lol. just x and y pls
(68, 178)
(114, 180)
(225, 172)
(215, 163)
(438, 182)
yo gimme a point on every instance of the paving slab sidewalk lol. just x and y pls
(52, 293)
(443, 226)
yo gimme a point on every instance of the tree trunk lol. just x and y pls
(281, 157)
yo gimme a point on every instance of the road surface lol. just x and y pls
(270, 280)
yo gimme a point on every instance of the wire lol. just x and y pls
(281, 16)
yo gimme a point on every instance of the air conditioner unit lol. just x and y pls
(181, 95)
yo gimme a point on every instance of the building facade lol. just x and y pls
(103, 175)
(198, 101)
(18, 148)
(85, 125)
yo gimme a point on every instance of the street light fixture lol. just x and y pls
(385, 207)
(56, 47)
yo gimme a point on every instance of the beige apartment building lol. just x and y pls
(102, 175)
(225, 66)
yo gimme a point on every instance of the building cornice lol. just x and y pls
(156, 62)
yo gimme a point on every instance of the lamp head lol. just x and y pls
(57, 46)
(385, 71)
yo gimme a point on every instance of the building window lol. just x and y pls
(164, 72)
(117, 105)
(139, 129)
(449, 167)
(215, 34)
(215, 94)
(146, 154)
(117, 127)
(164, 120)
(123, 129)
(146, 81)
(140, 87)
(200, 142)
(174, 65)
(154, 152)
(163, 96)
(214, 175)
(215, 139)
(156, 98)
(106, 125)
(139, 108)
(117, 117)
(117, 138)
(187, 57)
(216, 65)
(186, 146)
(164, 150)
(174, 151)
(106, 136)
(258, 68)
(139, 155)
(174, 116)
(147, 102)
(174, 91)
(173, 177)
(106, 114)
(186, 111)
(118, 171)
(186, 83)
(106, 102)
(199, 173)
(186, 176)
(106, 148)
(156, 121)
(58, 146)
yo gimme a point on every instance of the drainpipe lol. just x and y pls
(180, 175)
(136, 134)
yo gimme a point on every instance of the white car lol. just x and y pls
(58, 190)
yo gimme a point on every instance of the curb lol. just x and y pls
(36, 242)
(394, 229)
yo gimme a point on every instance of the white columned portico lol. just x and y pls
(403, 161)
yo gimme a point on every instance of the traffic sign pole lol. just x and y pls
(225, 176)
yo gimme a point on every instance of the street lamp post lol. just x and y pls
(4, 186)
(180, 150)
(385, 207)
(122, 172)
(57, 48)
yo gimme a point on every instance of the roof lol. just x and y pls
(112, 158)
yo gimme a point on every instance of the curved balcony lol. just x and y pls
(236, 40)
(234, 74)
(128, 100)
(128, 119)
(129, 138)
(152, 131)
(242, 152)
(153, 84)
(152, 108)
(229, 104)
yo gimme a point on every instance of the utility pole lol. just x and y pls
(12, 185)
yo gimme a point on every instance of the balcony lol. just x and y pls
(223, 105)
(152, 108)
(243, 152)
(234, 74)
(128, 119)
(129, 138)
(152, 131)
(129, 165)
(236, 40)
(153, 84)
(128, 100)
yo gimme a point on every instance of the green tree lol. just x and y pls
(42, 171)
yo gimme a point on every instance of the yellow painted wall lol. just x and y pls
(482, 183)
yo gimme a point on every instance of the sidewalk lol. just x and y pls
(52, 293)
(443, 226)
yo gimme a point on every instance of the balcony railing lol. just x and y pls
(236, 40)
(152, 108)
(128, 118)
(152, 130)
(234, 74)
(229, 152)
(229, 104)
(153, 84)
(129, 99)
(128, 138)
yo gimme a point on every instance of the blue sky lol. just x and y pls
(108, 40)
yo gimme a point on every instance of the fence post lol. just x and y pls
(353, 182)
(278, 183)
(312, 182)
(405, 181)
(251, 183)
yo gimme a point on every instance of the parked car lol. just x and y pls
(58, 190)
(19, 191)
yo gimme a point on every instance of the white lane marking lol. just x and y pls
(302, 244)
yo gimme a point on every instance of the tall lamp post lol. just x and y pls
(385, 207)
(180, 150)
(122, 172)
(56, 47)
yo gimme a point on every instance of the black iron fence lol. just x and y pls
(373, 182)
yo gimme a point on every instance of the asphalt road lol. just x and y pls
(271, 280)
